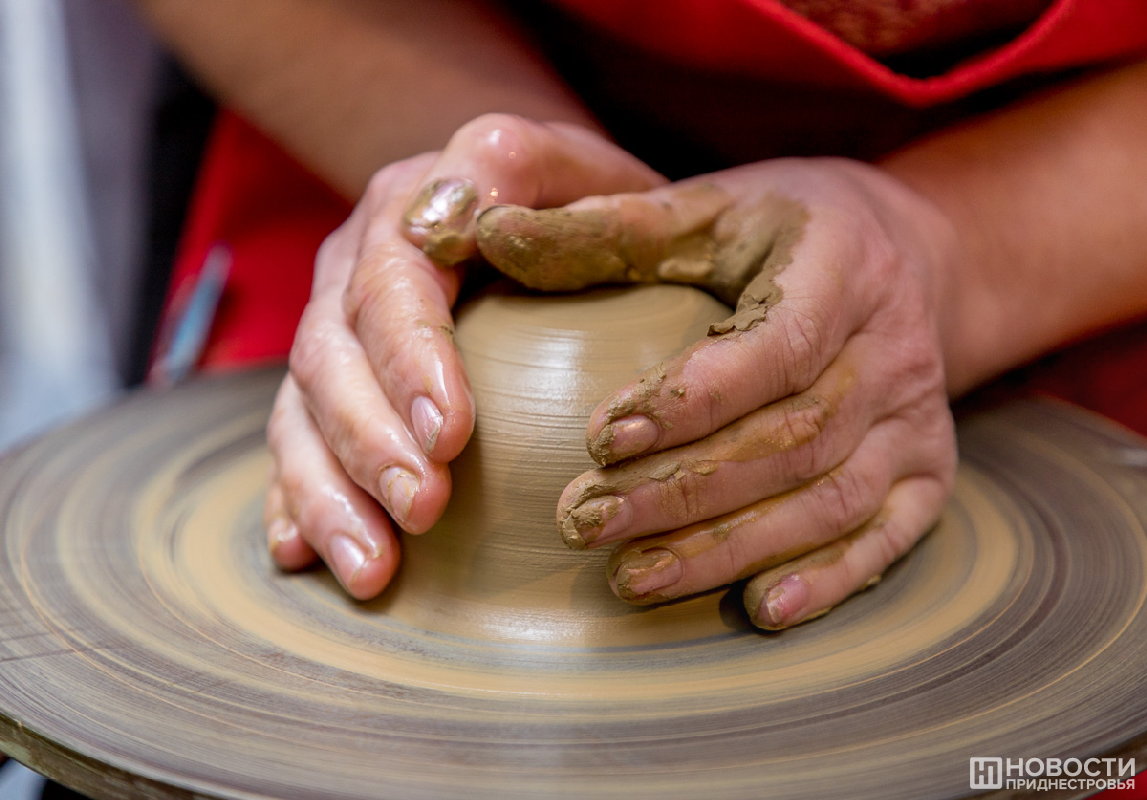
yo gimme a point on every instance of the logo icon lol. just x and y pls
(985, 773)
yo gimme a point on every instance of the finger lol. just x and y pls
(399, 309)
(664, 235)
(330, 513)
(695, 231)
(765, 453)
(727, 376)
(810, 586)
(769, 532)
(398, 304)
(287, 546)
(762, 249)
(359, 425)
(502, 158)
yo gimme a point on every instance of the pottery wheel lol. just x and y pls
(149, 648)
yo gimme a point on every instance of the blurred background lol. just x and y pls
(99, 142)
(99, 139)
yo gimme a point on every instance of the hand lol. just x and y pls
(807, 443)
(376, 403)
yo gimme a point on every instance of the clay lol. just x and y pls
(441, 215)
(537, 366)
(620, 239)
(755, 255)
(150, 649)
(735, 251)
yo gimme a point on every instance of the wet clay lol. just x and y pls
(537, 367)
(441, 215)
(754, 259)
(732, 250)
(150, 649)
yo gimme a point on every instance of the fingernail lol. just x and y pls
(346, 558)
(629, 436)
(279, 531)
(783, 603)
(427, 421)
(643, 575)
(596, 521)
(441, 212)
(398, 489)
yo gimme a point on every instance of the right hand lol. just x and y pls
(376, 402)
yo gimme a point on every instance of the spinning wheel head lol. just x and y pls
(149, 648)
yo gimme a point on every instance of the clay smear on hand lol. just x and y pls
(757, 437)
(696, 234)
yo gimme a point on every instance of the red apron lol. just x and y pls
(271, 215)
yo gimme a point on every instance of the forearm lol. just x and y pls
(351, 85)
(1048, 204)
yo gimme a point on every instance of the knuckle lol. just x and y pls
(355, 443)
(891, 542)
(311, 350)
(370, 298)
(682, 497)
(919, 364)
(499, 139)
(333, 247)
(802, 345)
(367, 284)
(847, 496)
(804, 425)
(381, 184)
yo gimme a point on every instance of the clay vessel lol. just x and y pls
(495, 567)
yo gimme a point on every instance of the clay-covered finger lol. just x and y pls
(502, 158)
(715, 382)
(326, 508)
(360, 427)
(737, 545)
(760, 249)
(765, 453)
(696, 232)
(813, 584)
(664, 235)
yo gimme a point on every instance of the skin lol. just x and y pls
(298, 68)
(803, 453)
(782, 436)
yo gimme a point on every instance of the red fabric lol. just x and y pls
(763, 38)
(273, 215)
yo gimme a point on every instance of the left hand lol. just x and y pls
(376, 403)
(808, 444)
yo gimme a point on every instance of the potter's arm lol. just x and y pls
(1048, 202)
(351, 85)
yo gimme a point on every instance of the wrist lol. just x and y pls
(966, 313)
(935, 248)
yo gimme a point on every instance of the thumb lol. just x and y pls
(663, 235)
